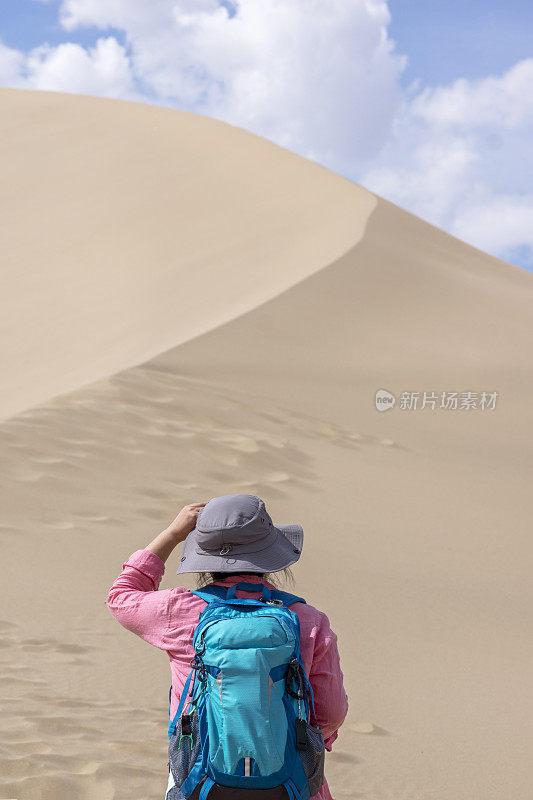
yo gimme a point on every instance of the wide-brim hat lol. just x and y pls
(234, 532)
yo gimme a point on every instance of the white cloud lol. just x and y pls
(457, 157)
(324, 80)
(499, 224)
(505, 101)
(11, 65)
(102, 70)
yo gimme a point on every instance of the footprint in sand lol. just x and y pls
(59, 525)
(25, 474)
(361, 727)
(367, 728)
(47, 460)
(6, 530)
(243, 444)
(277, 477)
(53, 646)
(78, 442)
(87, 516)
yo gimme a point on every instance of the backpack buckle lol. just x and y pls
(186, 730)
(185, 736)
(274, 602)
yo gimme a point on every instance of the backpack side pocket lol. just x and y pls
(310, 743)
(184, 747)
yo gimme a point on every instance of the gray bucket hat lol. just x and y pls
(235, 532)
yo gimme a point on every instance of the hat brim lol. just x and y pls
(283, 552)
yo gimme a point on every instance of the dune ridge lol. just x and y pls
(129, 228)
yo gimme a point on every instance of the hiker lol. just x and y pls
(259, 667)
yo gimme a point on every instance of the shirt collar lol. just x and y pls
(231, 579)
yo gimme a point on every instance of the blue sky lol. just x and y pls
(461, 38)
(26, 24)
(427, 104)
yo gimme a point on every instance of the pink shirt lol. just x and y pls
(167, 619)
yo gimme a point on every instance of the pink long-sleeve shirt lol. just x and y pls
(167, 619)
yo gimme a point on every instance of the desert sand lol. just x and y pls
(189, 310)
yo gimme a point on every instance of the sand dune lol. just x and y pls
(417, 523)
(127, 229)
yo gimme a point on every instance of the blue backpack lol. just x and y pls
(247, 722)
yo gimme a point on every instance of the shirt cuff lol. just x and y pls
(148, 563)
(329, 741)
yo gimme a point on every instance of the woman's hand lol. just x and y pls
(177, 531)
(183, 524)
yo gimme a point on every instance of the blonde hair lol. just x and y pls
(278, 579)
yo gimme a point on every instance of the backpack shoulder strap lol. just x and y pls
(287, 598)
(210, 593)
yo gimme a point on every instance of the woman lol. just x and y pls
(228, 540)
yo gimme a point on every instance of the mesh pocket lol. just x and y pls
(312, 753)
(174, 794)
(183, 749)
